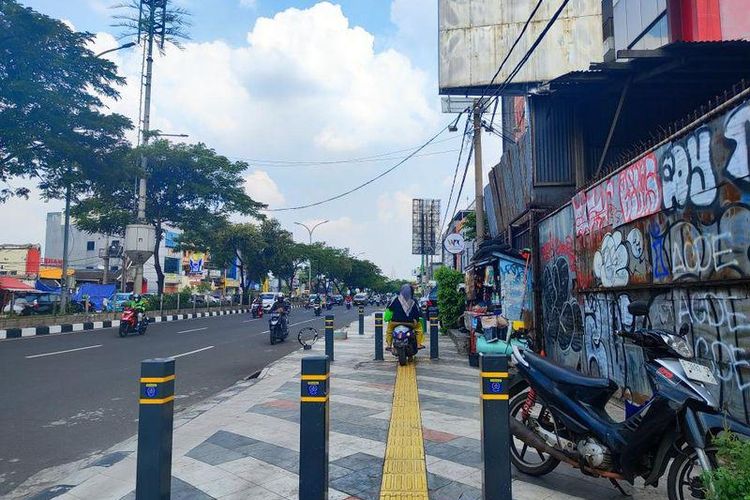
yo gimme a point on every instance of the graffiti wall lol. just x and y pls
(673, 229)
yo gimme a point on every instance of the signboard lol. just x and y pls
(195, 262)
(425, 223)
(474, 37)
(454, 243)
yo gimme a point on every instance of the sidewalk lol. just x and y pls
(244, 443)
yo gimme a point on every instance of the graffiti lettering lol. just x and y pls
(738, 132)
(727, 360)
(687, 173)
(611, 261)
(579, 213)
(639, 189)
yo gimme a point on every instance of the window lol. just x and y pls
(171, 265)
(89, 246)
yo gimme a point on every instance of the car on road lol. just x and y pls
(360, 299)
(429, 301)
(337, 299)
(267, 299)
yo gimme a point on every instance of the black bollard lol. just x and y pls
(496, 480)
(434, 349)
(155, 417)
(329, 336)
(378, 336)
(361, 320)
(313, 432)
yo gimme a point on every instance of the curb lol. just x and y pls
(33, 331)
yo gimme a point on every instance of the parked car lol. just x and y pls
(34, 303)
(360, 299)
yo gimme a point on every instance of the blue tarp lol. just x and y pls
(47, 286)
(96, 293)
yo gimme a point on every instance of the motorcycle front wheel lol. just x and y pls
(685, 481)
(123, 329)
(402, 357)
(525, 458)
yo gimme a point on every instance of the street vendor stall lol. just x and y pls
(498, 296)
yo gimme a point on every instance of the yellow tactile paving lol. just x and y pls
(404, 470)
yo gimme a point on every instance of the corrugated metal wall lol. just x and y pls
(553, 125)
(512, 180)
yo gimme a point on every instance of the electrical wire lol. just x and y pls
(463, 180)
(455, 174)
(366, 183)
(343, 162)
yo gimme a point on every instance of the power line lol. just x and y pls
(463, 179)
(332, 162)
(455, 174)
(366, 183)
(343, 162)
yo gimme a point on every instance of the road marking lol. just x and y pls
(191, 352)
(194, 330)
(62, 352)
(251, 320)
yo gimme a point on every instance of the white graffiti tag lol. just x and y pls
(737, 129)
(687, 173)
(611, 261)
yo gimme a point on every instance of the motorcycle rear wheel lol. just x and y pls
(401, 357)
(521, 454)
(684, 481)
(273, 338)
(123, 332)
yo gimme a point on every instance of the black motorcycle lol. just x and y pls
(256, 310)
(277, 327)
(562, 417)
(317, 309)
(404, 343)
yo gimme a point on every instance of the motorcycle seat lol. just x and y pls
(565, 375)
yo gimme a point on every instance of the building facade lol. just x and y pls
(20, 261)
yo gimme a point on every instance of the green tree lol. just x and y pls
(451, 302)
(189, 185)
(470, 226)
(51, 87)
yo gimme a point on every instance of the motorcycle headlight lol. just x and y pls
(678, 345)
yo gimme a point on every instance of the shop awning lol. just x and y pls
(9, 284)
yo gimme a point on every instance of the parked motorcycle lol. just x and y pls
(256, 310)
(132, 321)
(277, 328)
(562, 417)
(404, 343)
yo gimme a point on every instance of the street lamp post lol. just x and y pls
(310, 233)
(66, 228)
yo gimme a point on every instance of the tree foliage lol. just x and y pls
(189, 187)
(451, 302)
(51, 86)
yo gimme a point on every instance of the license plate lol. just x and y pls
(698, 372)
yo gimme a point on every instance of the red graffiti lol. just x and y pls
(554, 247)
(639, 189)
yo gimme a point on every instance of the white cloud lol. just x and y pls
(260, 187)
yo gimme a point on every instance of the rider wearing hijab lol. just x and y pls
(403, 310)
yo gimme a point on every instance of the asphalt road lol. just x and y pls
(64, 397)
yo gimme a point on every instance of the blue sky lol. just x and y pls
(271, 80)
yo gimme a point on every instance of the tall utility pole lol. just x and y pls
(479, 193)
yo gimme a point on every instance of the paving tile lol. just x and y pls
(110, 459)
(468, 458)
(182, 490)
(456, 491)
(51, 492)
(252, 493)
(360, 461)
(364, 484)
(287, 487)
(437, 436)
(442, 450)
(213, 454)
(230, 440)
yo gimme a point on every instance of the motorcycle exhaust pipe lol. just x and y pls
(530, 438)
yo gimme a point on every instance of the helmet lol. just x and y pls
(136, 296)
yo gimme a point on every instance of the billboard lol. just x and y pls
(425, 225)
(474, 37)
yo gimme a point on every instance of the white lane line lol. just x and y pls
(251, 320)
(191, 352)
(194, 330)
(62, 352)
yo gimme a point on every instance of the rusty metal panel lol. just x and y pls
(512, 178)
(474, 36)
(554, 141)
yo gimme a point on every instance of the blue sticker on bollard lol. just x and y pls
(312, 390)
(496, 387)
(150, 392)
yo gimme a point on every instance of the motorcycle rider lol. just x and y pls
(281, 308)
(138, 304)
(403, 310)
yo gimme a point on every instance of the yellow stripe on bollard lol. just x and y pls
(494, 374)
(156, 401)
(156, 380)
(315, 377)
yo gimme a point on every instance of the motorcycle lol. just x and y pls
(316, 309)
(256, 310)
(277, 328)
(329, 306)
(348, 305)
(132, 321)
(562, 416)
(404, 343)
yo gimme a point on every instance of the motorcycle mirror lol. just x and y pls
(638, 308)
